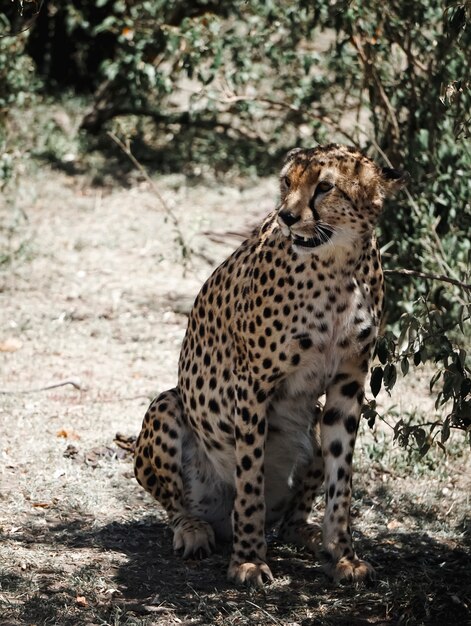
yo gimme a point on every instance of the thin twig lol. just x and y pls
(441, 259)
(118, 399)
(269, 615)
(143, 171)
(74, 384)
(371, 70)
(441, 277)
(185, 248)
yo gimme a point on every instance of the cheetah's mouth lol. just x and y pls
(323, 235)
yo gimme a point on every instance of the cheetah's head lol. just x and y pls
(332, 195)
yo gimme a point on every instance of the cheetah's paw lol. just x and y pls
(194, 539)
(350, 570)
(250, 574)
(303, 534)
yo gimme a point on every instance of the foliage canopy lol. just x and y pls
(235, 84)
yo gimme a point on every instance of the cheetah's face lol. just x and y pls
(332, 195)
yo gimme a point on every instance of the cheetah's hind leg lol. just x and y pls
(158, 468)
(295, 527)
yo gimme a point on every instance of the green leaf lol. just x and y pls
(434, 379)
(382, 350)
(436, 316)
(461, 315)
(465, 388)
(419, 436)
(462, 358)
(445, 434)
(389, 376)
(424, 449)
(405, 366)
(376, 380)
(404, 325)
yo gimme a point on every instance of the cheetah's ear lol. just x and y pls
(292, 153)
(393, 180)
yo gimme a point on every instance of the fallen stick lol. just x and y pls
(74, 384)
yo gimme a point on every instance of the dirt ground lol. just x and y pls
(94, 296)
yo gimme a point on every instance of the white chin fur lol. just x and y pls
(304, 249)
(284, 229)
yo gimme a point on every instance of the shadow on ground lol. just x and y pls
(421, 580)
(193, 152)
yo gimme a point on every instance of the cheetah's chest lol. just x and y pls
(313, 346)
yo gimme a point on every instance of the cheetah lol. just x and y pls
(242, 443)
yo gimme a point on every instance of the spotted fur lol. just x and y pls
(242, 443)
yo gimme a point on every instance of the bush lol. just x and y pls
(17, 82)
(411, 62)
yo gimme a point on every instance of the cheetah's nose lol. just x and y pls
(288, 218)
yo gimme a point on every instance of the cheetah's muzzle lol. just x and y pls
(324, 235)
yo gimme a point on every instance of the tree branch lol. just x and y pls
(279, 104)
(441, 277)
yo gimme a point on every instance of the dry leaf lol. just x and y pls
(93, 456)
(127, 33)
(10, 345)
(67, 434)
(393, 524)
(126, 442)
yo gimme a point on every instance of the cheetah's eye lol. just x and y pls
(287, 181)
(323, 187)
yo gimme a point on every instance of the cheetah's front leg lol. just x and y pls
(338, 433)
(247, 564)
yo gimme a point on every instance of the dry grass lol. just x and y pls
(99, 298)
